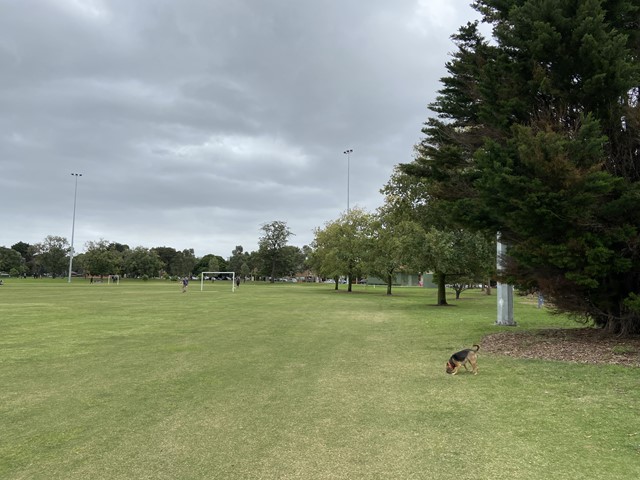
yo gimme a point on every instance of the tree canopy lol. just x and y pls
(271, 248)
(536, 136)
(343, 245)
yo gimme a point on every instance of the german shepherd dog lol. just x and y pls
(461, 358)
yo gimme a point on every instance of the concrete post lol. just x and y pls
(505, 291)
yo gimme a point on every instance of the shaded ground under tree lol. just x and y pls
(578, 345)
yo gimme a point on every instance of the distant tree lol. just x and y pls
(307, 251)
(119, 247)
(167, 255)
(142, 262)
(238, 257)
(11, 261)
(245, 271)
(22, 248)
(434, 243)
(209, 263)
(254, 262)
(392, 247)
(52, 255)
(183, 263)
(453, 254)
(271, 247)
(102, 258)
(324, 258)
(462, 283)
(214, 264)
(341, 246)
(26, 251)
(292, 260)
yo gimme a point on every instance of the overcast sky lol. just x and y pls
(194, 122)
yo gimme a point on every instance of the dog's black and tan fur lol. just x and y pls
(461, 358)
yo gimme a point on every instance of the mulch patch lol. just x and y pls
(579, 345)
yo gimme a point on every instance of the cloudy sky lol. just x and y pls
(194, 122)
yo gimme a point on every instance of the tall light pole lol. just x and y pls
(348, 154)
(73, 223)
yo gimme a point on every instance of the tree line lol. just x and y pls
(50, 257)
(358, 244)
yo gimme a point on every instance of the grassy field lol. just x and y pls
(292, 381)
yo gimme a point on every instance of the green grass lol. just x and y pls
(292, 381)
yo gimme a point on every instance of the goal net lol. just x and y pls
(218, 277)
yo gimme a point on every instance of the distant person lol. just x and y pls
(237, 282)
(185, 284)
(540, 300)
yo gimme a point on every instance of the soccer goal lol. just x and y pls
(214, 274)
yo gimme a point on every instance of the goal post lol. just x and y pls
(213, 274)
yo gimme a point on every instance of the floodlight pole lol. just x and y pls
(73, 223)
(348, 154)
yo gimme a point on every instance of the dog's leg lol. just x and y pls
(474, 365)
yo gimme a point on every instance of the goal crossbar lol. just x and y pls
(233, 278)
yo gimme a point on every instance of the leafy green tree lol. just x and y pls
(142, 262)
(11, 261)
(430, 238)
(22, 248)
(183, 263)
(254, 261)
(26, 251)
(214, 264)
(102, 258)
(210, 263)
(118, 247)
(537, 136)
(307, 251)
(237, 259)
(293, 259)
(391, 247)
(324, 259)
(167, 255)
(245, 270)
(51, 255)
(454, 255)
(340, 248)
(271, 248)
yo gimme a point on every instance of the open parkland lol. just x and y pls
(293, 381)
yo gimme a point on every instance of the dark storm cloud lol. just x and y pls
(194, 122)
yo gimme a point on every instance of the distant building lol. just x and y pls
(407, 280)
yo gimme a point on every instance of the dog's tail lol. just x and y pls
(477, 347)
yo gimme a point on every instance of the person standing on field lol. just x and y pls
(185, 284)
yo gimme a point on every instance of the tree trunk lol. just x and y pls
(442, 294)
(336, 280)
(389, 280)
(273, 271)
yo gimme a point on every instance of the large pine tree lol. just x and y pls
(537, 136)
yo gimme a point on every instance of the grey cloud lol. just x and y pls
(193, 122)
